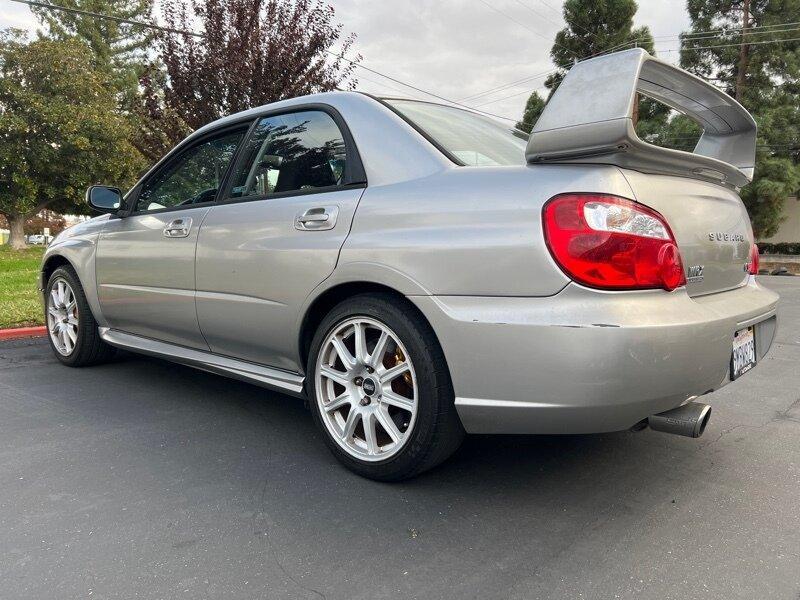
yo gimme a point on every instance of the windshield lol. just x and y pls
(473, 139)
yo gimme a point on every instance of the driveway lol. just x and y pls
(145, 479)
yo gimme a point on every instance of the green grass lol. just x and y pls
(19, 299)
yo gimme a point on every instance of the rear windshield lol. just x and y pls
(473, 139)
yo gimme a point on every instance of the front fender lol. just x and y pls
(79, 252)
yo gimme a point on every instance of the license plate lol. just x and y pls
(744, 352)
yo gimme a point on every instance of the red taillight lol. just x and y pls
(752, 263)
(612, 243)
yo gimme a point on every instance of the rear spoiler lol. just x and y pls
(589, 119)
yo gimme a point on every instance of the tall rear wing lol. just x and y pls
(590, 119)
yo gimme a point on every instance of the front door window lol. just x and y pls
(193, 177)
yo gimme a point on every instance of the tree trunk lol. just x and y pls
(16, 223)
(744, 51)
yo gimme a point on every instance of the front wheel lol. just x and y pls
(71, 327)
(380, 389)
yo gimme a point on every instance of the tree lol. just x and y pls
(252, 52)
(595, 27)
(36, 224)
(118, 48)
(45, 219)
(599, 26)
(765, 78)
(533, 108)
(59, 127)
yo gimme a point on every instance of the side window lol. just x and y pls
(193, 176)
(296, 151)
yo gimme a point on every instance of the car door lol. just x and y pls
(145, 260)
(277, 234)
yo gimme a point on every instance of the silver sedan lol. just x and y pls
(417, 271)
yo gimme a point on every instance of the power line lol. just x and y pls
(550, 6)
(797, 39)
(88, 13)
(511, 84)
(561, 14)
(526, 91)
(695, 35)
(575, 25)
(773, 29)
(537, 13)
(413, 87)
(668, 50)
(195, 34)
(539, 75)
(518, 22)
(386, 86)
(685, 38)
(725, 30)
(619, 46)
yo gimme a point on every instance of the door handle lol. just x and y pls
(179, 228)
(318, 218)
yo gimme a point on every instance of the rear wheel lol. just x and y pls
(71, 327)
(380, 389)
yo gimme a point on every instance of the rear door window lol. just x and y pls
(292, 152)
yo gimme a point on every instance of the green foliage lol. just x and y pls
(777, 178)
(60, 128)
(533, 108)
(717, 57)
(253, 53)
(20, 304)
(765, 78)
(117, 48)
(679, 133)
(120, 50)
(595, 27)
(779, 248)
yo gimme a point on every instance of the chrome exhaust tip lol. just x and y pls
(689, 420)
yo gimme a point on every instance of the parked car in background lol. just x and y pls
(38, 239)
(418, 271)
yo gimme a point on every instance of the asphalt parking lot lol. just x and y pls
(144, 479)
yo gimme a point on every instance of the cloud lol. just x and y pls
(455, 48)
(17, 15)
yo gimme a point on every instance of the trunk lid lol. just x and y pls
(710, 225)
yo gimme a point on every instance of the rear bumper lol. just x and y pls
(585, 361)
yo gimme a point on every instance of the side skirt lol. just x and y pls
(276, 379)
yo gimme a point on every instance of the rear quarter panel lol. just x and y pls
(470, 230)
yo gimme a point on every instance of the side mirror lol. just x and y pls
(271, 161)
(104, 199)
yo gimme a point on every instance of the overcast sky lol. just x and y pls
(456, 48)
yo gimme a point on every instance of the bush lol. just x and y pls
(779, 248)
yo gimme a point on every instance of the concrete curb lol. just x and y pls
(22, 332)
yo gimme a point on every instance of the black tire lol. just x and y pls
(437, 431)
(89, 349)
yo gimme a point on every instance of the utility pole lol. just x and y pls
(744, 51)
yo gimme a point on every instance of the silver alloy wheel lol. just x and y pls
(366, 389)
(62, 317)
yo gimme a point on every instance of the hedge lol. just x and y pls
(779, 248)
